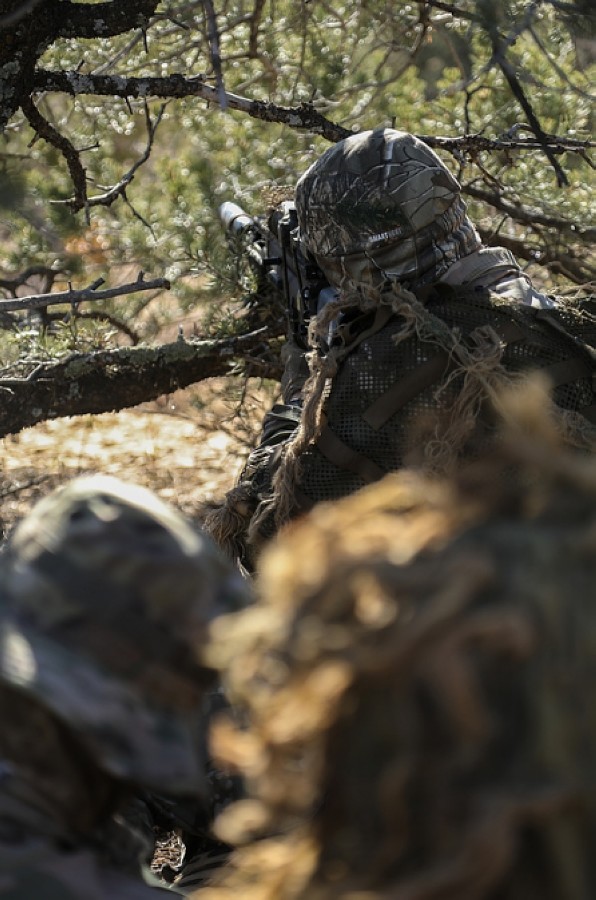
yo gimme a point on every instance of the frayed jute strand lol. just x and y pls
(228, 524)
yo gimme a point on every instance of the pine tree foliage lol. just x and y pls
(125, 125)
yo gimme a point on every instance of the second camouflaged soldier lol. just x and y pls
(106, 595)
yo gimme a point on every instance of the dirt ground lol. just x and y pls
(188, 447)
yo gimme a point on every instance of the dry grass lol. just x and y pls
(187, 447)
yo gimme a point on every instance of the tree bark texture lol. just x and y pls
(110, 380)
(28, 28)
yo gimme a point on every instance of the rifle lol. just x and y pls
(277, 258)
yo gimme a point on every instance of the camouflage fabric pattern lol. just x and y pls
(108, 596)
(381, 205)
(420, 694)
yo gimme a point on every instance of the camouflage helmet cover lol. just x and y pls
(380, 205)
(108, 595)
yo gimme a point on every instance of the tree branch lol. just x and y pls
(100, 315)
(510, 75)
(47, 273)
(44, 130)
(455, 11)
(475, 143)
(118, 190)
(214, 51)
(176, 86)
(102, 20)
(78, 296)
(109, 380)
(573, 266)
(526, 216)
(298, 117)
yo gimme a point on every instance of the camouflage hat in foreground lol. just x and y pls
(109, 593)
(381, 205)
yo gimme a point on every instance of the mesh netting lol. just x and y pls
(382, 361)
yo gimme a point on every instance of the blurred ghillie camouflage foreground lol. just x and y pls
(419, 692)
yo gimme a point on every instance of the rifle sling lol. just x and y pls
(422, 377)
(404, 390)
(350, 340)
(343, 456)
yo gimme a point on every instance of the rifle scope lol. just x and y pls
(234, 218)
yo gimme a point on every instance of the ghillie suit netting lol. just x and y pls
(418, 383)
(418, 681)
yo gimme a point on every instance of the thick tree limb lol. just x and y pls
(109, 380)
(299, 117)
(28, 29)
(176, 86)
(78, 296)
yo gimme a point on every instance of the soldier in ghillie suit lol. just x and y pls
(420, 692)
(106, 595)
(406, 363)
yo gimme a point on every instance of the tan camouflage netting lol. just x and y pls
(389, 413)
(418, 678)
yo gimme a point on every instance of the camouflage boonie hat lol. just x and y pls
(107, 596)
(381, 205)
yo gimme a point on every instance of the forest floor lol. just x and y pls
(188, 447)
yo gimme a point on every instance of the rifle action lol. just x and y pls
(277, 257)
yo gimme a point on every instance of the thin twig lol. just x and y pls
(528, 216)
(138, 215)
(100, 315)
(12, 284)
(562, 74)
(119, 189)
(510, 75)
(88, 293)
(214, 52)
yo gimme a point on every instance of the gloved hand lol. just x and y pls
(296, 371)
